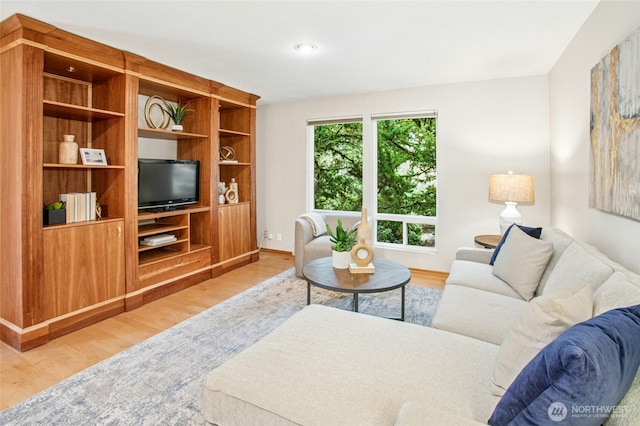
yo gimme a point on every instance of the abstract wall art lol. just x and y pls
(614, 163)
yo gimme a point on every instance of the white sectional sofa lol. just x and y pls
(326, 366)
(476, 303)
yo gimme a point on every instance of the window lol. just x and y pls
(337, 165)
(406, 179)
(400, 179)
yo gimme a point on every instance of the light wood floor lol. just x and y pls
(24, 374)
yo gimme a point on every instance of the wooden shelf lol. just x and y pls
(198, 247)
(79, 166)
(232, 205)
(162, 253)
(75, 112)
(167, 134)
(158, 228)
(142, 248)
(222, 163)
(85, 223)
(225, 132)
(58, 64)
(143, 215)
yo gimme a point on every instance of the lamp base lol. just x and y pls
(508, 216)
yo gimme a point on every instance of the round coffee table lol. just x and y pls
(388, 276)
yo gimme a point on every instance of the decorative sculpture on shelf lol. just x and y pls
(154, 113)
(227, 155)
(222, 189)
(232, 193)
(362, 253)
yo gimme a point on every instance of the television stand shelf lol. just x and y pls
(144, 215)
(158, 228)
(188, 253)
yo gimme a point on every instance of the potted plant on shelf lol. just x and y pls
(343, 241)
(177, 111)
(54, 213)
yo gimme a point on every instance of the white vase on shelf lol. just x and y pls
(68, 150)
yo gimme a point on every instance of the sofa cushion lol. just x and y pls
(620, 290)
(318, 247)
(577, 266)
(521, 262)
(475, 313)
(533, 232)
(590, 365)
(479, 276)
(325, 357)
(544, 319)
(629, 409)
(560, 242)
(415, 414)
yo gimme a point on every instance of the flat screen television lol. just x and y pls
(167, 184)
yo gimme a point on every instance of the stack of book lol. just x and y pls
(80, 206)
(158, 239)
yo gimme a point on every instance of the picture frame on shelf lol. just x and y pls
(93, 157)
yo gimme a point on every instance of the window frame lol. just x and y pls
(403, 218)
(310, 172)
(370, 175)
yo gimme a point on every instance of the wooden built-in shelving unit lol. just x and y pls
(59, 278)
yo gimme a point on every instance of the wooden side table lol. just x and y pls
(487, 241)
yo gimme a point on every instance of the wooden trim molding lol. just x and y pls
(22, 41)
(24, 339)
(166, 83)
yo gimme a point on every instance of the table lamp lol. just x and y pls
(511, 189)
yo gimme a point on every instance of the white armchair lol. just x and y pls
(309, 247)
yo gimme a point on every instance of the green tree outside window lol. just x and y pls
(406, 174)
(338, 166)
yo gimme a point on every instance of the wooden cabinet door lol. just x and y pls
(84, 264)
(234, 230)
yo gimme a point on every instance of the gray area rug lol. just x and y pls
(159, 381)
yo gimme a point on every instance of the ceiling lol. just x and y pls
(363, 46)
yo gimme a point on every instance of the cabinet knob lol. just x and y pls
(119, 230)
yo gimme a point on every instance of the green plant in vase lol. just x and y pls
(177, 111)
(342, 243)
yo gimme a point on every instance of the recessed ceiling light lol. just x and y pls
(305, 47)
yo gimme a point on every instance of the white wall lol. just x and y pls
(569, 88)
(483, 128)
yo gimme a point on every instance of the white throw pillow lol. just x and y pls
(521, 262)
(578, 265)
(545, 318)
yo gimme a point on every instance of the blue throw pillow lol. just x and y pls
(578, 378)
(533, 232)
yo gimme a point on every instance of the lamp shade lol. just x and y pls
(510, 187)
